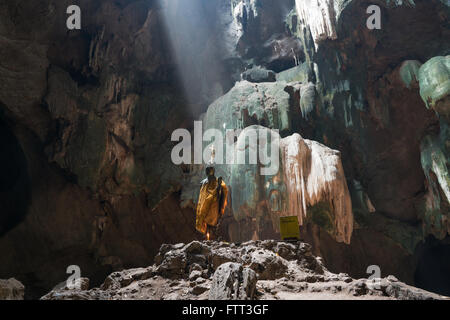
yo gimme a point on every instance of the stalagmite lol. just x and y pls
(310, 184)
(314, 175)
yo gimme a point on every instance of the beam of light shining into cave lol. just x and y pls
(195, 46)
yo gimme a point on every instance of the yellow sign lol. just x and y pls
(289, 228)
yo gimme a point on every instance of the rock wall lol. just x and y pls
(87, 117)
(434, 81)
(358, 91)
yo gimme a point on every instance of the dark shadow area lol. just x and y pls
(433, 267)
(15, 195)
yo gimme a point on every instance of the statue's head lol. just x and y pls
(210, 171)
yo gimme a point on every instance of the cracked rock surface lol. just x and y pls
(259, 270)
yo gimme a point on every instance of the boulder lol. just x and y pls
(268, 265)
(221, 256)
(173, 265)
(122, 279)
(11, 289)
(258, 74)
(232, 281)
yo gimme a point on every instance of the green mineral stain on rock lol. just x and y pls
(301, 73)
(409, 72)
(246, 104)
(434, 80)
(434, 160)
(321, 214)
(435, 212)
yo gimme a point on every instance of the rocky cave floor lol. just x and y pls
(260, 270)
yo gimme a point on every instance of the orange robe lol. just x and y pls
(208, 205)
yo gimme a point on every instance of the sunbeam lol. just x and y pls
(196, 48)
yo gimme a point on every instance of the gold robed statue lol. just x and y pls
(212, 202)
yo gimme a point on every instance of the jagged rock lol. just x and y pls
(173, 264)
(122, 279)
(79, 291)
(199, 289)
(221, 256)
(78, 284)
(259, 29)
(245, 103)
(436, 218)
(267, 265)
(286, 250)
(358, 288)
(194, 267)
(232, 281)
(11, 289)
(196, 247)
(296, 275)
(69, 295)
(194, 275)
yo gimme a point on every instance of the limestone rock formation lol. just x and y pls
(316, 186)
(243, 277)
(251, 103)
(258, 74)
(434, 79)
(11, 289)
(260, 34)
(309, 184)
(320, 17)
(437, 206)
